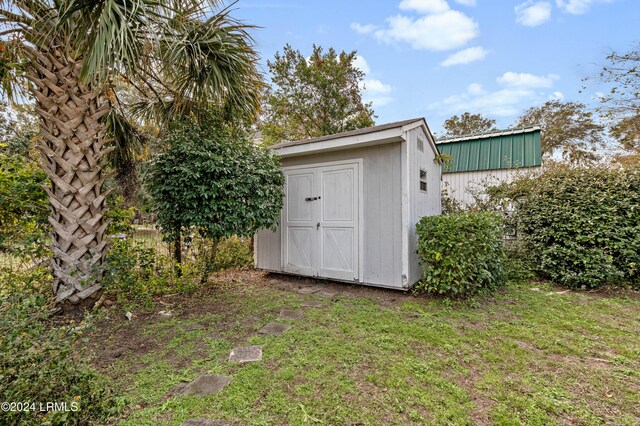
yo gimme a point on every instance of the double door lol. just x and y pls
(321, 221)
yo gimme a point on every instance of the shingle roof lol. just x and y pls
(357, 132)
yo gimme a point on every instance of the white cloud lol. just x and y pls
(556, 96)
(373, 86)
(466, 2)
(425, 6)
(519, 91)
(437, 27)
(465, 56)
(578, 7)
(475, 89)
(443, 31)
(376, 92)
(521, 79)
(361, 63)
(373, 90)
(503, 102)
(533, 14)
(363, 29)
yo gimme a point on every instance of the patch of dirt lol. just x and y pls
(386, 297)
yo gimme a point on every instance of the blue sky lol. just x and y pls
(436, 58)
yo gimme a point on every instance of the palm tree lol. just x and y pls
(72, 57)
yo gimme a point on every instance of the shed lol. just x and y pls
(352, 201)
(488, 158)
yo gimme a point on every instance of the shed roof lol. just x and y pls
(499, 149)
(357, 132)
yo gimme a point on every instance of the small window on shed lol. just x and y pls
(423, 180)
(420, 145)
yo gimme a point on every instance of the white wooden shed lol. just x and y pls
(352, 201)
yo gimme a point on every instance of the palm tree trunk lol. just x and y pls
(73, 147)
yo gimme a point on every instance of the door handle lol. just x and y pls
(318, 225)
(311, 198)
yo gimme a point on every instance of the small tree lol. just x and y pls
(567, 128)
(314, 96)
(622, 104)
(468, 123)
(215, 185)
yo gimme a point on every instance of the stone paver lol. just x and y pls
(206, 385)
(326, 293)
(306, 290)
(290, 314)
(312, 304)
(246, 354)
(274, 329)
(205, 422)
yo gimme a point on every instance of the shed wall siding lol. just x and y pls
(459, 185)
(381, 206)
(420, 203)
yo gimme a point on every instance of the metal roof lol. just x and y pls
(500, 149)
(357, 132)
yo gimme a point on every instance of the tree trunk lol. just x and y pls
(177, 254)
(73, 147)
(209, 258)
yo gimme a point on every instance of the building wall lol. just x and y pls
(461, 185)
(382, 214)
(420, 203)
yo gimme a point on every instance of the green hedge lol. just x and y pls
(461, 254)
(581, 225)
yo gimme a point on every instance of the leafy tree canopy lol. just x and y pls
(567, 128)
(468, 123)
(213, 183)
(18, 129)
(622, 103)
(314, 96)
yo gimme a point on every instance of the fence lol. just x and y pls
(145, 236)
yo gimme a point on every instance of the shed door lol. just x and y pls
(300, 234)
(321, 221)
(339, 211)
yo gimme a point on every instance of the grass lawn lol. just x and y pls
(378, 357)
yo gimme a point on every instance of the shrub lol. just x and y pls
(133, 274)
(581, 225)
(461, 254)
(234, 252)
(37, 361)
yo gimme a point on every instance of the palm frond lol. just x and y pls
(211, 61)
(115, 31)
(128, 141)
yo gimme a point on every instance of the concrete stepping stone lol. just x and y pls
(291, 314)
(274, 329)
(312, 304)
(307, 290)
(206, 422)
(207, 384)
(246, 354)
(326, 293)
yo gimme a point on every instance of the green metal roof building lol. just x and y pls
(496, 155)
(502, 149)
